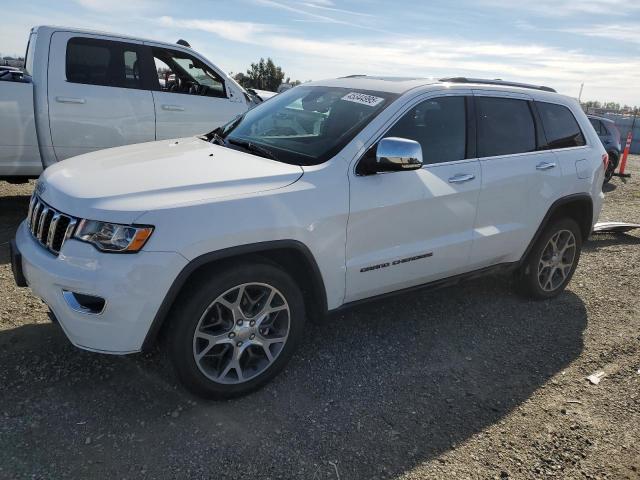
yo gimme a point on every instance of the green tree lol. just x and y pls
(263, 75)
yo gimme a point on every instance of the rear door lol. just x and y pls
(190, 96)
(520, 178)
(566, 140)
(98, 94)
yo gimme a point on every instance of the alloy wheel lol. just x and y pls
(556, 260)
(241, 333)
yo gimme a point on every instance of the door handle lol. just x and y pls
(70, 100)
(545, 166)
(461, 178)
(173, 108)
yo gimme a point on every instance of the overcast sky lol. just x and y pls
(560, 43)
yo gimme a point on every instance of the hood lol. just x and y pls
(119, 184)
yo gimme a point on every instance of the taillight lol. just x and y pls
(605, 160)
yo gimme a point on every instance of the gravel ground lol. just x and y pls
(465, 382)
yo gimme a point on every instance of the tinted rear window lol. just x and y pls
(597, 126)
(505, 126)
(560, 126)
(102, 62)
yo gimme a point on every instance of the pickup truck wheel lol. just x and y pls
(552, 261)
(236, 331)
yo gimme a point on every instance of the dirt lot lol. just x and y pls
(467, 382)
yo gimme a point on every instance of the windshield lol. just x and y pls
(306, 125)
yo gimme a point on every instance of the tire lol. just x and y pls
(611, 167)
(222, 340)
(557, 270)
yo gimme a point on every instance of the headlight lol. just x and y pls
(112, 237)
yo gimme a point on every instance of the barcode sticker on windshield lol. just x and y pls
(363, 99)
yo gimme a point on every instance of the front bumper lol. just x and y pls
(133, 287)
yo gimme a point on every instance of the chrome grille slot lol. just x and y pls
(48, 226)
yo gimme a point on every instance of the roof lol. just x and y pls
(58, 28)
(400, 85)
(396, 85)
(604, 119)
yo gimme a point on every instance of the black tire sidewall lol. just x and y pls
(611, 166)
(529, 281)
(186, 316)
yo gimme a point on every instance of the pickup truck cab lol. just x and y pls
(326, 195)
(83, 91)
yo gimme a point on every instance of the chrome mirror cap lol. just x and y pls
(394, 154)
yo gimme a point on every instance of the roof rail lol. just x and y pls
(496, 81)
(356, 75)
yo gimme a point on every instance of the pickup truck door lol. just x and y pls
(191, 97)
(98, 96)
(411, 227)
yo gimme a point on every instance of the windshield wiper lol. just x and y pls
(253, 148)
(217, 138)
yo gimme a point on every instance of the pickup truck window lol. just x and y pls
(28, 58)
(103, 62)
(307, 125)
(179, 72)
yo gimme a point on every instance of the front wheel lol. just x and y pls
(236, 331)
(552, 261)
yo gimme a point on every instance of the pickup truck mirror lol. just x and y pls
(14, 76)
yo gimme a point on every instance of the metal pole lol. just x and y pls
(580, 94)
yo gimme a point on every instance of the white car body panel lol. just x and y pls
(131, 301)
(19, 151)
(203, 198)
(128, 181)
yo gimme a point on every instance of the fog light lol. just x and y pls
(83, 303)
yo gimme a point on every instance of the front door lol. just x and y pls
(413, 227)
(190, 97)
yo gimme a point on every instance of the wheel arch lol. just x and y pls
(291, 255)
(577, 206)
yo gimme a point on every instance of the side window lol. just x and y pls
(597, 126)
(179, 72)
(505, 126)
(103, 62)
(560, 126)
(439, 125)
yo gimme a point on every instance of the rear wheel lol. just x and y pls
(236, 331)
(552, 260)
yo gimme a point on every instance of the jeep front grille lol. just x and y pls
(49, 226)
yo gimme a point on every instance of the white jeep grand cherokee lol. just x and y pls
(330, 193)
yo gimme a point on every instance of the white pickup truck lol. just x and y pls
(83, 91)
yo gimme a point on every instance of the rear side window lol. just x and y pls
(597, 125)
(505, 126)
(439, 125)
(560, 126)
(102, 62)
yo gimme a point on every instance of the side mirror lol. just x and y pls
(394, 154)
